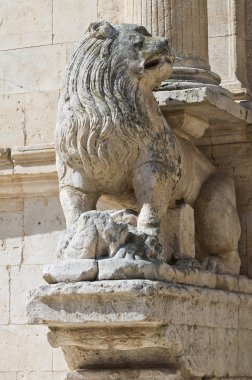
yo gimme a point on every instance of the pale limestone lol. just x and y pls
(16, 204)
(33, 119)
(204, 102)
(162, 169)
(229, 42)
(30, 70)
(5, 161)
(132, 316)
(230, 378)
(43, 223)
(58, 361)
(221, 45)
(111, 10)
(244, 355)
(11, 238)
(40, 115)
(71, 19)
(245, 316)
(172, 19)
(129, 374)
(103, 234)
(8, 376)
(71, 271)
(33, 159)
(232, 153)
(21, 347)
(40, 376)
(243, 184)
(185, 271)
(219, 17)
(29, 171)
(22, 278)
(70, 48)
(4, 295)
(186, 125)
(209, 103)
(117, 269)
(221, 308)
(180, 230)
(32, 20)
(12, 124)
(128, 268)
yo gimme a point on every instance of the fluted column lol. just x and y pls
(184, 22)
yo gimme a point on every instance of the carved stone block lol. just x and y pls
(186, 125)
(106, 327)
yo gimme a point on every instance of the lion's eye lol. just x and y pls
(136, 40)
(138, 44)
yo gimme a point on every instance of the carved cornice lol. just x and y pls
(28, 171)
(39, 154)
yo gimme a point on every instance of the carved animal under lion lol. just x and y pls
(111, 139)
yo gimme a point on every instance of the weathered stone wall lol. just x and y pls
(29, 230)
(36, 39)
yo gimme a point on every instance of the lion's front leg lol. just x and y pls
(77, 193)
(153, 188)
(74, 202)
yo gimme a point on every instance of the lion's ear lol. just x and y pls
(101, 30)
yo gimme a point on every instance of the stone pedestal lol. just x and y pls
(140, 329)
(184, 22)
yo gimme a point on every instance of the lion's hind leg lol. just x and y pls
(217, 224)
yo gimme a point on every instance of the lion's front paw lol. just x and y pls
(128, 252)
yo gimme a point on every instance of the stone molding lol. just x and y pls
(207, 103)
(28, 171)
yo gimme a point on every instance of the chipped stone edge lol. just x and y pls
(155, 272)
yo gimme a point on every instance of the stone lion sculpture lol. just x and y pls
(112, 139)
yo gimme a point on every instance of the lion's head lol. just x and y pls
(104, 86)
(109, 52)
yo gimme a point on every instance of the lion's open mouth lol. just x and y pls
(152, 63)
(156, 61)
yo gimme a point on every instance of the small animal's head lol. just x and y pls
(148, 59)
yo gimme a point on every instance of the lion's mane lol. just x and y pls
(102, 119)
(97, 98)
